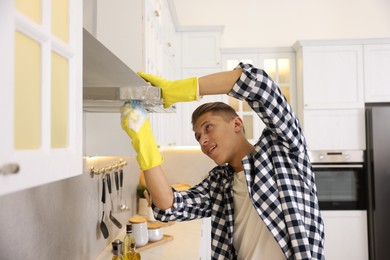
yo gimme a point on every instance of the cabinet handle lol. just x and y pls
(9, 168)
(156, 13)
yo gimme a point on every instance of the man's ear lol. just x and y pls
(238, 124)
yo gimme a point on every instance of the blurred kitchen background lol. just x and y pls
(51, 208)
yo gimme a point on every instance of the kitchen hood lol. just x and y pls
(108, 82)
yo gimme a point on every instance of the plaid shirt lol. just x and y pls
(279, 177)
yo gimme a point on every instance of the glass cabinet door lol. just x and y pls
(280, 67)
(41, 86)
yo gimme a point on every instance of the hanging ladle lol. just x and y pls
(103, 226)
(113, 219)
(122, 205)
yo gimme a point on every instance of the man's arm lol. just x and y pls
(159, 188)
(218, 83)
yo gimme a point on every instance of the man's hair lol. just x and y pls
(216, 108)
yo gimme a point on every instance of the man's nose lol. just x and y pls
(203, 140)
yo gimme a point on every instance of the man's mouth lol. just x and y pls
(211, 149)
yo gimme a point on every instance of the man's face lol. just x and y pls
(217, 138)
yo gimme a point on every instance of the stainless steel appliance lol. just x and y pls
(378, 162)
(108, 82)
(340, 179)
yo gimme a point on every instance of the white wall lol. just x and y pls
(280, 23)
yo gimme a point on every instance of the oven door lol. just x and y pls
(341, 186)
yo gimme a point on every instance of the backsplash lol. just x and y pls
(61, 220)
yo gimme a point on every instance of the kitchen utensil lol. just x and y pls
(122, 205)
(103, 226)
(113, 219)
(116, 176)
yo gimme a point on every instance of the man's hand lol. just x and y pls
(174, 91)
(136, 124)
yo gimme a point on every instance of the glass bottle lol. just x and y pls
(129, 250)
(117, 250)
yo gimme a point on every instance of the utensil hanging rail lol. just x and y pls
(107, 169)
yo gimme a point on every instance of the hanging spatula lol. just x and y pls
(113, 219)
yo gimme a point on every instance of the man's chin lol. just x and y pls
(219, 162)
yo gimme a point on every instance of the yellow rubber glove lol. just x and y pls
(174, 91)
(136, 124)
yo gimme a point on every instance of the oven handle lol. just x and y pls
(337, 166)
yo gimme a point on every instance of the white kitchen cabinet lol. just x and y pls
(280, 66)
(345, 235)
(41, 97)
(331, 77)
(201, 49)
(334, 129)
(140, 33)
(330, 100)
(376, 72)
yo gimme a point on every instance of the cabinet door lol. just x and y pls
(201, 50)
(346, 235)
(333, 77)
(376, 72)
(335, 129)
(280, 67)
(41, 86)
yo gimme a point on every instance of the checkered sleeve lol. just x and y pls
(267, 100)
(187, 205)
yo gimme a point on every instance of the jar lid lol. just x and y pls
(154, 225)
(137, 219)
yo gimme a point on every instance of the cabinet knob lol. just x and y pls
(9, 168)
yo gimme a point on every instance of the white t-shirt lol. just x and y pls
(251, 238)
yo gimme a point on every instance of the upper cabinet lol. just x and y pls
(331, 95)
(141, 33)
(41, 97)
(335, 79)
(201, 49)
(331, 76)
(376, 72)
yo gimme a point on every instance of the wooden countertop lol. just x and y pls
(185, 244)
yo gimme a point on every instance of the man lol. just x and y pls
(261, 198)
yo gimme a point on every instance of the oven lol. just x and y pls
(340, 178)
